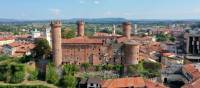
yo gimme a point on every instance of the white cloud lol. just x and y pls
(55, 12)
(81, 2)
(96, 2)
(89, 1)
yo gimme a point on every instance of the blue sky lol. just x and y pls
(130, 9)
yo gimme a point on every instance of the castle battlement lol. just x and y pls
(56, 23)
(80, 22)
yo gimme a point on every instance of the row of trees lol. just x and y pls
(165, 37)
(12, 73)
(145, 69)
(68, 33)
(66, 79)
(116, 68)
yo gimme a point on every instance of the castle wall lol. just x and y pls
(131, 52)
(81, 53)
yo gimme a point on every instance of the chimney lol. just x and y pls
(80, 28)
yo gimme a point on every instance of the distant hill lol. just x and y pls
(97, 20)
(103, 21)
(4, 20)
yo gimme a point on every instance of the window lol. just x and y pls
(91, 84)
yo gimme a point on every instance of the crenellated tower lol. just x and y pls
(127, 29)
(80, 28)
(56, 42)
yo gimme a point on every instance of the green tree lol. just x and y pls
(85, 66)
(118, 68)
(98, 67)
(25, 59)
(161, 37)
(106, 31)
(17, 77)
(89, 31)
(151, 66)
(133, 70)
(33, 75)
(51, 74)
(68, 34)
(150, 69)
(172, 39)
(42, 49)
(17, 73)
(68, 81)
(4, 57)
(108, 67)
(69, 69)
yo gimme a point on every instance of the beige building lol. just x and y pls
(6, 40)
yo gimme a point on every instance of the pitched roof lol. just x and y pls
(21, 47)
(168, 54)
(14, 44)
(23, 36)
(124, 82)
(82, 40)
(150, 84)
(135, 82)
(6, 38)
(122, 39)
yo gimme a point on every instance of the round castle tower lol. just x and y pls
(127, 29)
(80, 28)
(131, 52)
(56, 42)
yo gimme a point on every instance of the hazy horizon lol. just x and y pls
(129, 9)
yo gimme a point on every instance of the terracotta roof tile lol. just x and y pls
(121, 39)
(82, 40)
(135, 82)
(6, 38)
(124, 82)
(101, 34)
(150, 84)
(21, 47)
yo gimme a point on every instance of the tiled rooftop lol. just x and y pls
(135, 82)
